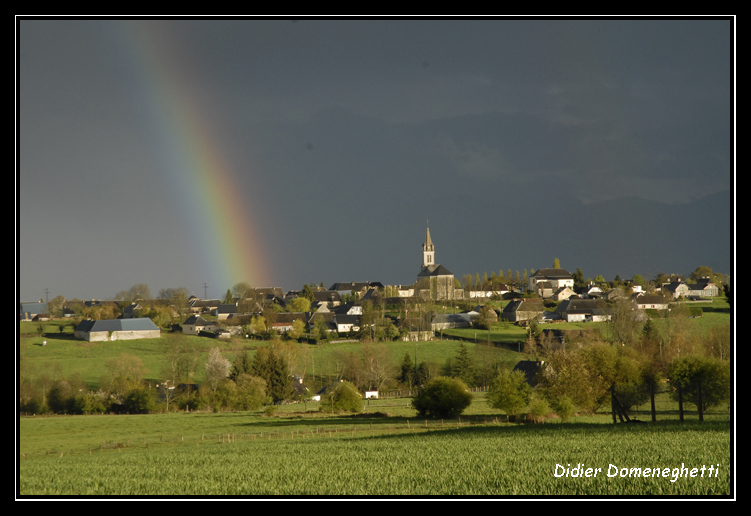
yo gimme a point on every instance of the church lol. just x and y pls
(434, 280)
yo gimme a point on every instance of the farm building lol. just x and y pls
(117, 329)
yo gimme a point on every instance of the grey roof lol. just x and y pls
(136, 324)
(524, 305)
(34, 308)
(227, 309)
(197, 320)
(434, 270)
(552, 273)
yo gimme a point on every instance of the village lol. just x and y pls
(347, 309)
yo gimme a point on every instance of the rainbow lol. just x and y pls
(225, 237)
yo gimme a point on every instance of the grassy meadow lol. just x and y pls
(385, 451)
(306, 453)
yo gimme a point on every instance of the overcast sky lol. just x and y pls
(280, 152)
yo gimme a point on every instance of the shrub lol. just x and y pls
(509, 392)
(344, 397)
(442, 398)
(564, 407)
(139, 401)
(538, 410)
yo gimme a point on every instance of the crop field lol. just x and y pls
(310, 454)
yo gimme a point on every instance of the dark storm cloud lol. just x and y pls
(347, 135)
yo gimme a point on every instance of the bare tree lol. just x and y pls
(217, 368)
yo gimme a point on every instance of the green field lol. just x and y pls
(296, 453)
(385, 451)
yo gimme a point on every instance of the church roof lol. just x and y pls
(434, 270)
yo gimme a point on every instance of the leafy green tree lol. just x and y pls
(251, 392)
(228, 299)
(703, 381)
(442, 398)
(556, 263)
(299, 304)
(298, 329)
(509, 392)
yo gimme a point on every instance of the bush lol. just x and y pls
(564, 407)
(538, 410)
(342, 398)
(509, 392)
(442, 398)
(139, 401)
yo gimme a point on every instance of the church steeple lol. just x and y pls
(428, 250)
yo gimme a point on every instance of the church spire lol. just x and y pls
(428, 250)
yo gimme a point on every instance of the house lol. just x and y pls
(488, 292)
(329, 298)
(284, 321)
(522, 310)
(558, 278)
(117, 329)
(704, 288)
(224, 310)
(591, 291)
(563, 293)
(676, 289)
(203, 306)
(195, 324)
(347, 323)
(446, 321)
(33, 311)
(656, 302)
(581, 310)
(544, 289)
(359, 287)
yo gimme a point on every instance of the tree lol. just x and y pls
(464, 367)
(270, 364)
(578, 277)
(182, 359)
(442, 398)
(299, 304)
(241, 290)
(556, 263)
(509, 392)
(701, 272)
(378, 364)
(703, 381)
(307, 293)
(407, 369)
(228, 299)
(486, 318)
(138, 292)
(251, 392)
(217, 368)
(298, 328)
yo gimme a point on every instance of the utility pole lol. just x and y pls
(204, 290)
